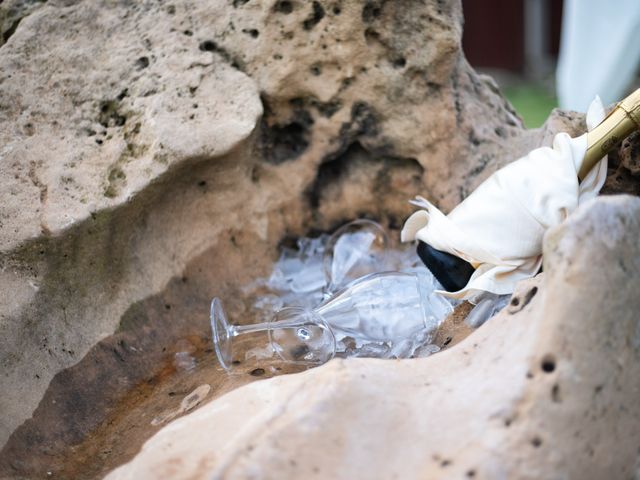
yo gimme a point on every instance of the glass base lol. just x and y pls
(221, 334)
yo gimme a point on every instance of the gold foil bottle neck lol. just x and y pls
(618, 125)
(631, 105)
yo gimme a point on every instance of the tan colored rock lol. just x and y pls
(141, 140)
(546, 389)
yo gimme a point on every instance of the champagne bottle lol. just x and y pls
(618, 125)
(454, 273)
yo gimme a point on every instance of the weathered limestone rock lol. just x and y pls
(136, 138)
(546, 389)
(154, 155)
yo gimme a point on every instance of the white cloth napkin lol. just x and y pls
(499, 227)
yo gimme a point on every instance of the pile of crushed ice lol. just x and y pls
(319, 267)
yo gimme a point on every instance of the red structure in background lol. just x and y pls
(521, 36)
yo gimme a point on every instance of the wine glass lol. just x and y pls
(295, 334)
(380, 311)
(354, 250)
(383, 307)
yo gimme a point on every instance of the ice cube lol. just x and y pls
(487, 307)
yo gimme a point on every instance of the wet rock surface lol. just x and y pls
(154, 155)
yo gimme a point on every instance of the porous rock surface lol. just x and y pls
(546, 389)
(137, 136)
(155, 154)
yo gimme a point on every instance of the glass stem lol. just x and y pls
(236, 330)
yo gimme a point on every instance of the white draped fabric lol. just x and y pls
(499, 227)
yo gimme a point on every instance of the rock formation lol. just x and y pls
(154, 155)
(546, 389)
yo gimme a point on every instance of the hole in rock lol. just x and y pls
(283, 6)
(257, 372)
(211, 46)
(285, 142)
(399, 62)
(109, 114)
(529, 296)
(371, 11)
(254, 33)
(208, 46)
(142, 62)
(317, 14)
(548, 364)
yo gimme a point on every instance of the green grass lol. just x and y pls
(532, 103)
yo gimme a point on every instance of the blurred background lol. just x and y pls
(549, 53)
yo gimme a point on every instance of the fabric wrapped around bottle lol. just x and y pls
(500, 226)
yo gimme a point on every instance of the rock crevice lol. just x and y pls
(153, 156)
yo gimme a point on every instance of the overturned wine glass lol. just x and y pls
(295, 334)
(354, 250)
(389, 312)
